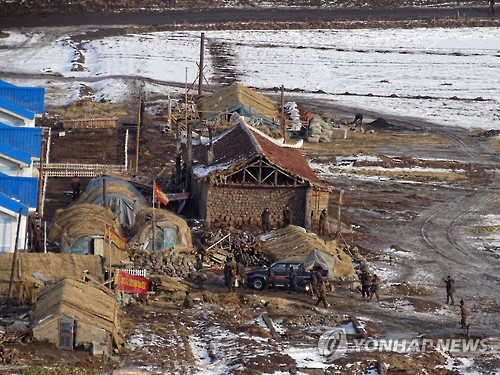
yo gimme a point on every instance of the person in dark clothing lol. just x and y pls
(287, 216)
(293, 280)
(266, 227)
(314, 284)
(76, 186)
(323, 220)
(227, 271)
(188, 301)
(322, 295)
(450, 289)
(38, 239)
(271, 278)
(358, 121)
(374, 287)
(491, 9)
(366, 281)
(464, 311)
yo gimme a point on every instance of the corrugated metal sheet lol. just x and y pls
(30, 98)
(11, 153)
(12, 205)
(6, 84)
(27, 140)
(22, 189)
(16, 109)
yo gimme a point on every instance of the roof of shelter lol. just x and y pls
(16, 109)
(26, 140)
(11, 153)
(10, 206)
(22, 189)
(78, 300)
(235, 96)
(30, 98)
(243, 143)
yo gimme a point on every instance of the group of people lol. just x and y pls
(287, 218)
(464, 310)
(369, 285)
(265, 218)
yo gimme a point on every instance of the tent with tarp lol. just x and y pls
(170, 230)
(122, 198)
(243, 100)
(79, 229)
(316, 258)
(295, 241)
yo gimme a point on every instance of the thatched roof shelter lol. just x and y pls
(93, 309)
(238, 98)
(122, 198)
(294, 241)
(32, 270)
(81, 221)
(171, 231)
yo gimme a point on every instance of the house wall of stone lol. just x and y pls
(242, 206)
(47, 332)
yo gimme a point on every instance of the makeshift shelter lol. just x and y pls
(316, 258)
(79, 229)
(240, 99)
(296, 242)
(34, 270)
(122, 198)
(243, 171)
(171, 231)
(72, 314)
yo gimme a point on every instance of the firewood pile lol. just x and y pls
(216, 247)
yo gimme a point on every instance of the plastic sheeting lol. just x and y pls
(315, 258)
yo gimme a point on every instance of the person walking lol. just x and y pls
(271, 279)
(266, 227)
(293, 280)
(450, 289)
(38, 239)
(374, 287)
(322, 295)
(366, 282)
(287, 216)
(76, 186)
(464, 311)
(323, 219)
(491, 8)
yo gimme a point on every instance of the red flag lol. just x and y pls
(159, 194)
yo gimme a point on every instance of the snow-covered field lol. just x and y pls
(432, 74)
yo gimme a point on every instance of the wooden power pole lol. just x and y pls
(339, 211)
(138, 134)
(200, 75)
(283, 122)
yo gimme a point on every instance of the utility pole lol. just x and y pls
(41, 173)
(283, 122)
(189, 157)
(138, 134)
(339, 211)
(14, 258)
(200, 75)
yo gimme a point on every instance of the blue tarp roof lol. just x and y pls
(17, 109)
(22, 189)
(30, 98)
(13, 153)
(27, 140)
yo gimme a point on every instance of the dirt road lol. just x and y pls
(244, 15)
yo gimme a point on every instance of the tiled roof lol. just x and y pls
(241, 145)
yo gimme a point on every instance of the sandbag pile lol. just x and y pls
(293, 115)
(322, 131)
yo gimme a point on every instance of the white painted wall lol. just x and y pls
(8, 227)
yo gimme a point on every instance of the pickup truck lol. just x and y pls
(257, 278)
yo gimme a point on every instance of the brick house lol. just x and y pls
(243, 171)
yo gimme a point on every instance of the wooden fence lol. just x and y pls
(91, 123)
(84, 170)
